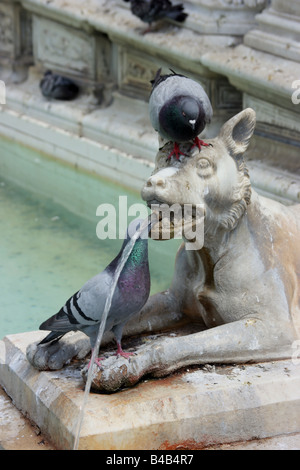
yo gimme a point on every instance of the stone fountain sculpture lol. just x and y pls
(240, 285)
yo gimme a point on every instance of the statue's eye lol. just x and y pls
(204, 167)
(203, 163)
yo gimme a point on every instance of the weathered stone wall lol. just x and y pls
(245, 53)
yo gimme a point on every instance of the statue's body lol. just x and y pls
(242, 285)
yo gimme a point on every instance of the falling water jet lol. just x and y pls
(151, 220)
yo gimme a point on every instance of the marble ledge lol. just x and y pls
(184, 46)
(205, 16)
(205, 54)
(192, 409)
(257, 73)
(274, 44)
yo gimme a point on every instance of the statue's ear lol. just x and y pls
(237, 132)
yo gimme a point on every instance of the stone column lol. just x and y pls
(278, 30)
(15, 41)
(226, 17)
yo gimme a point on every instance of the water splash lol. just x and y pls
(125, 255)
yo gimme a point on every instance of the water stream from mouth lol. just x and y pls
(125, 255)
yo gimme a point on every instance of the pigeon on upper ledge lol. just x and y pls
(84, 310)
(58, 87)
(153, 10)
(179, 110)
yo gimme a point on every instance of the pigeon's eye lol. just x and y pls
(183, 114)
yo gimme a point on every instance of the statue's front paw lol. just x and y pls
(119, 372)
(115, 373)
(55, 356)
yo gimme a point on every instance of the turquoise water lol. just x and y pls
(48, 252)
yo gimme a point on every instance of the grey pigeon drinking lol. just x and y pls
(179, 109)
(58, 87)
(154, 10)
(83, 311)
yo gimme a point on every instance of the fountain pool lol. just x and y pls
(48, 243)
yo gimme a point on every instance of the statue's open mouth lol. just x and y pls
(176, 220)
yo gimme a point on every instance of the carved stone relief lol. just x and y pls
(134, 74)
(7, 30)
(63, 48)
(226, 96)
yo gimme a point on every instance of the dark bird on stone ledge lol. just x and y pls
(83, 311)
(179, 110)
(153, 10)
(58, 87)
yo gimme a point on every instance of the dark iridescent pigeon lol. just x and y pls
(83, 311)
(58, 87)
(154, 10)
(179, 109)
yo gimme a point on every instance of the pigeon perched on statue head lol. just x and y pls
(58, 87)
(179, 110)
(83, 311)
(153, 10)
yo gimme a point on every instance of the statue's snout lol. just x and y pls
(156, 180)
(158, 185)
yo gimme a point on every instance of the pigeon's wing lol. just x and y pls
(164, 8)
(198, 91)
(60, 323)
(89, 302)
(165, 87)
(156, 102)
(47, 84)
(84, 308)
(56, 86)
(62, 81)
(156, 7)
(141, 9)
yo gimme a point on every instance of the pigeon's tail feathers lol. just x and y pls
(180, 17)
(156, 79)
(59, 324)
(52, 337)
(176, 13)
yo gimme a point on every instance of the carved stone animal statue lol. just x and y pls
(242, 285)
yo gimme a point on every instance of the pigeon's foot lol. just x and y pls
(122, 353)
(200, 143)
(152, 28)
(125, 354)
(146, 31)
(96, 361)
(176, 151)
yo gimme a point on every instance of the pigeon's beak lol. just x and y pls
(192, 122)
